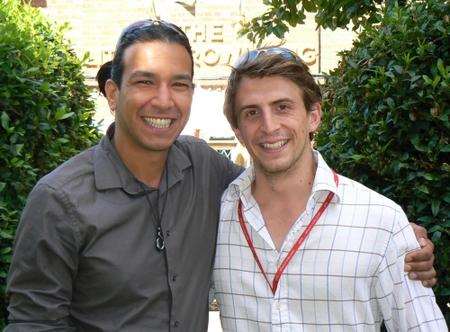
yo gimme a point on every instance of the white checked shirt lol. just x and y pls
(347, 275)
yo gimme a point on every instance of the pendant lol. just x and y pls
(159, 241)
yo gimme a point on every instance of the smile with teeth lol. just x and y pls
(274, 146)
(160, 123)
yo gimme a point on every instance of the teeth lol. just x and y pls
(158, 122)
(276, 145)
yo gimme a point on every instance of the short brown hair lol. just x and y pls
(270, 61)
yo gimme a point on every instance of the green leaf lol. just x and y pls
(61, 114)
(446, 198)
(436, 236)
(441, 68)
(18, 148)
(435, 81)
(5, 235)
(435, 207)
(45, 87)
(429, 177)
(427, 80)
(5, 250)
(309, 6)
(398, 69)
(352, 63)
(2, 186)
(445, 148)
(435, 228)
(423, 189)
(415, 140)
(357, 157)
(5, 120)
(390, 102)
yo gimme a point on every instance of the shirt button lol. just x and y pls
(167, 233)
(174, 278)
(176, 323)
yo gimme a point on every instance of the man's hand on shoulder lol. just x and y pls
(419, 264)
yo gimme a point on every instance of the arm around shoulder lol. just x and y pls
(44, 264)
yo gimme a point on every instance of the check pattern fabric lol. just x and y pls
(347, 276)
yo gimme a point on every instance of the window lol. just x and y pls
(225, 152)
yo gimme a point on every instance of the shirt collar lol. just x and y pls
(110, 171)
(324, 181)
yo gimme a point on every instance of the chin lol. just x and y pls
(157, 146)
(276, 167)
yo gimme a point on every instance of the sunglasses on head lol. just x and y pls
(254, 54)
(145, 24)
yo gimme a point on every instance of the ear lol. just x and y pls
(112, 94)
(315, 117)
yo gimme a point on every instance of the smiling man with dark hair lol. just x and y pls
(121, 237)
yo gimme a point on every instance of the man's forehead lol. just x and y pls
(277, 87)
(156, 57)
(149, 74)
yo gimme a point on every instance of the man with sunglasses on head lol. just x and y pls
(121, 237)
(301, 247)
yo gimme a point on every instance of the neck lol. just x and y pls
(147, 166)
(295, 182)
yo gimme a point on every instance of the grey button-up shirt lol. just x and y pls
(85, 256)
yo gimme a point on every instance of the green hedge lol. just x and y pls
(386, 119)
(46, 114)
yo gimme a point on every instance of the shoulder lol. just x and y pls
(236, 190)
(202, 155)
(194, 145)
(376, 208)
(370, 209)
(70, 174)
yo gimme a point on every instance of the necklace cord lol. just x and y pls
(157, 216)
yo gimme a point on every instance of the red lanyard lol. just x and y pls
(273, 286)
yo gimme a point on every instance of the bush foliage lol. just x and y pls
(386, 120)
(46, 114)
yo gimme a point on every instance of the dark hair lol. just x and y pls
(103, 74)
(147, 30)
(270, 61)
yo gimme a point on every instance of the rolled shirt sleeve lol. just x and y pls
(44, 264)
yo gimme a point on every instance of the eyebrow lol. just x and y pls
(148, 74)
(281, 100)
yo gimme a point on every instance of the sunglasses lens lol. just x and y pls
(253, 55)
(149, 23)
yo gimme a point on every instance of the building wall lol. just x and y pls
(212, 29)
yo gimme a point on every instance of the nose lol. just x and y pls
(269, 123)
(163, 98)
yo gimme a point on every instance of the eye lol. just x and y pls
(181, 85)
(283, 107)
(250, 113)
(146, 82)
